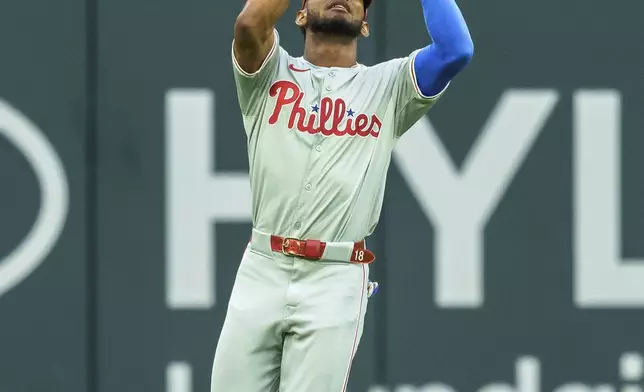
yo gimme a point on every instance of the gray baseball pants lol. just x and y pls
(292, 325)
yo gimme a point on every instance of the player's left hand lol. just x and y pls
(372, 289)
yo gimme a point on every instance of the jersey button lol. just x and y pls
(328, 88)
(298, 225)
(318, 148)
(308, 187)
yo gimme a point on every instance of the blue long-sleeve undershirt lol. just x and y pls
(452, 48)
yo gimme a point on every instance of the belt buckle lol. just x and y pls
(285, 242)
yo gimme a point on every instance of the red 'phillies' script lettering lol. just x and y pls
(330, 116)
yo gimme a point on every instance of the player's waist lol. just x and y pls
(311, 249)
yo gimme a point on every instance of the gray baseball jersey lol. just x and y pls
(320, 141)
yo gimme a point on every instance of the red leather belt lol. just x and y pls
(314, 249)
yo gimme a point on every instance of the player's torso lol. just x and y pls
(319, 159)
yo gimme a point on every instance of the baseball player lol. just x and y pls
(320, 131)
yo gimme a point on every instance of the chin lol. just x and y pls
(337, 16)
(336, 24)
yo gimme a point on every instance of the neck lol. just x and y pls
(324, 51)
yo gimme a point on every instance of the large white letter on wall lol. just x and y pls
(602, 278)
(460, 204)
(196, 198)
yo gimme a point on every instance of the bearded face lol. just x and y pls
(338, 18)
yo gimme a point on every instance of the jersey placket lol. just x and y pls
(307, 188)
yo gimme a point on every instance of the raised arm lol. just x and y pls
(254, 32)
(451, 50)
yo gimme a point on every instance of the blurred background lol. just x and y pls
(510, 246)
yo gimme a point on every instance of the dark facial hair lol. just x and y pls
(340, 28)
